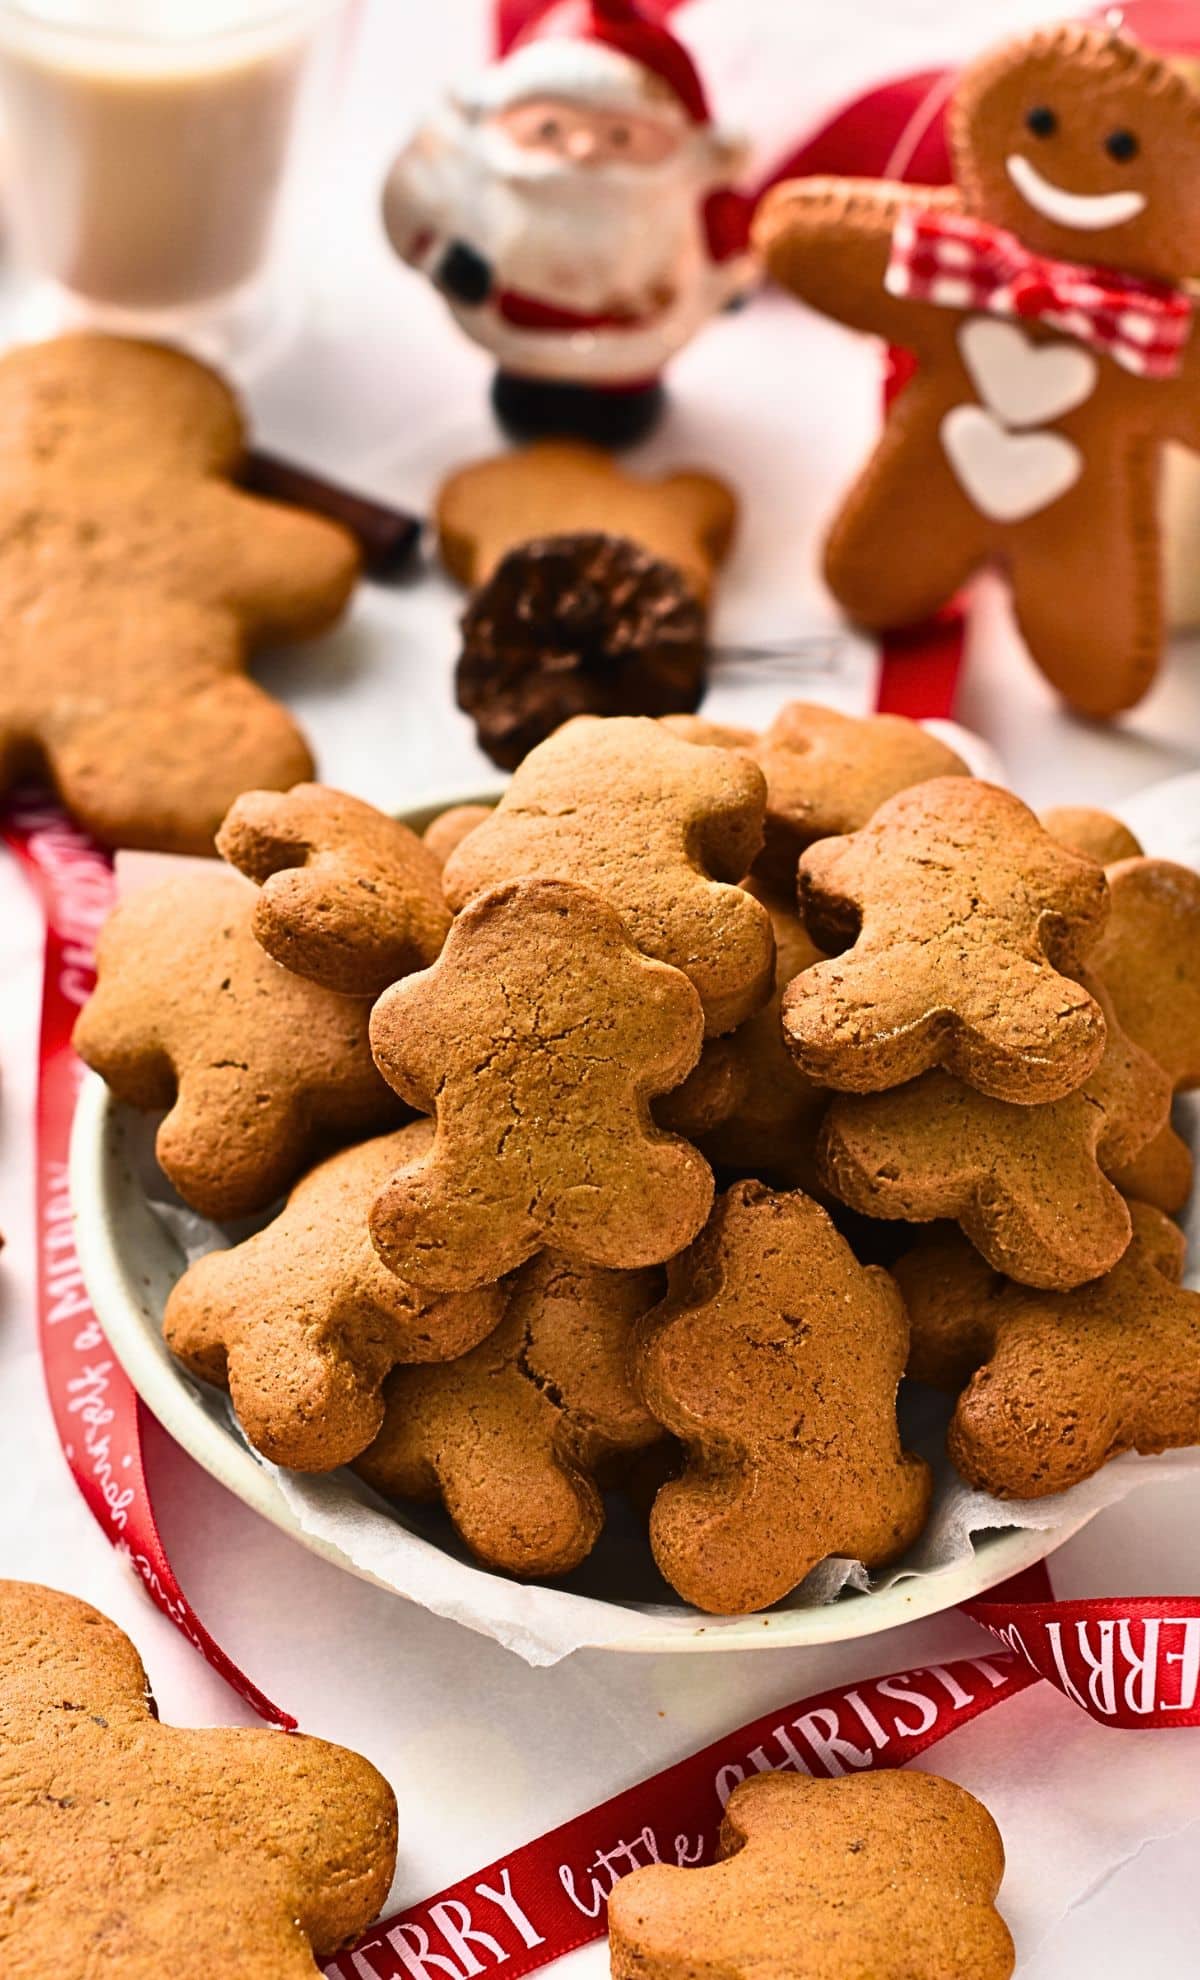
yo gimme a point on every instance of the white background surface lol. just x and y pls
(483, 1752)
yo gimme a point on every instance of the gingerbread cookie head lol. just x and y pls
(122, 535)
(302, 1321)
(775, 1359)
(538, 1039)
(1084, 145)
(514, 1436)
(957, 915)
(1068, 1381)
(120, 1833)
(254, 1066)
(350, 897)
(662, 830)
(885, 1874)
(161, 413)
(561, 487)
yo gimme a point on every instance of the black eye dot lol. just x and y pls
(1042, 121)
(1121, 145)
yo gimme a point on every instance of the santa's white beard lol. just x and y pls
(595, 239)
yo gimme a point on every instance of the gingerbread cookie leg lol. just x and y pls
(158, 759)
(906, 537)
(195, 754)
(1086, 586)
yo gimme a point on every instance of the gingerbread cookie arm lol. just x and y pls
(709, 509)
(333, 1830)
(1181, 395)
(829, 241)
(288, 574)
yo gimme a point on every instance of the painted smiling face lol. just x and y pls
(1085, 146)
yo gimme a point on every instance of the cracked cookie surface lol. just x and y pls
(539, 1039)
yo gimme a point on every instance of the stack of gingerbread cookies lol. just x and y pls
(636, 1086)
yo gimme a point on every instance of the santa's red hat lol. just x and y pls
(609, 54)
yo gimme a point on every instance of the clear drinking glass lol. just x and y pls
(151, 149)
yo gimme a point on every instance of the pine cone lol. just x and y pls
(584, 624)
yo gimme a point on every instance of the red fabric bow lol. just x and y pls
(962, 263)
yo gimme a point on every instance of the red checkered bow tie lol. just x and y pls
(960, 263)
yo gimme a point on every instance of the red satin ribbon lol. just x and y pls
(96, 1411)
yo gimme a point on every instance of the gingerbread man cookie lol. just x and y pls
(448, 830)
(1028, 1185)
(134, 581)
(1161, 1173)
(772, 1112)
(713, 1090)
(958, 916)
(1149, 956)
(949, 1290)
(775, 1359)
(560, 487)
(255, 1066)
(1090, 833)
(350, 897)
(302, 1322)
(1058, 1384)
(139, 1849)
(514, 1436)
(827, 773)
(661, 829)
(538, 1038)
(877, 1876)
(1043, 298)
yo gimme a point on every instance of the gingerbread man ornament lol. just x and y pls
(1041, 296)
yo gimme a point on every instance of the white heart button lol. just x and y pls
(1024, 383)
(1008, 476)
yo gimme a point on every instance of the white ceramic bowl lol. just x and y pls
(130, 1260)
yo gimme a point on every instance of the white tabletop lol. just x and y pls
(484, 1752)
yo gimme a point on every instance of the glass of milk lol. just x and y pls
(150, 151)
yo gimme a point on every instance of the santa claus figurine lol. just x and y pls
(575, 207)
